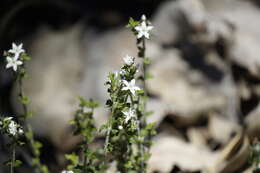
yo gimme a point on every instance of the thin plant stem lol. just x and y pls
(144, 67)
(22, 95)
(13, 160)
(142, 120)
(86, 145)
(25, 113)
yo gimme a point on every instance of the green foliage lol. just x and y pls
(147, 61)
(132, 23)
(26, 134)
(128, 136)
(24, 100)
(92, 160)
(74, 160)
(128, 139)
(255, 156)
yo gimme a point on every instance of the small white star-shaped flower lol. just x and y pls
(143, 30)
(16, 49)
(129, 60)
(130, 114)
(12, 128)
(13, 62)
(120, 127)
(130, 86)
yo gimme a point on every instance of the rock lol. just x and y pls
(198, 136)
(227, 128)
(159, 110)
(169, 151)
(252, 122)
(175, 19)
(246, 39)
(186, 91)
(246, 45)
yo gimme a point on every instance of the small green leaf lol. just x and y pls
(25, 100)
(148, 76)
(132, 23)
(17, 163)
(73, 158)
(147, 61)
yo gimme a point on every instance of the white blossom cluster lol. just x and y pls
(129, 114)
(129, 60)
(13, 128)
(14, 61)
(128, 86)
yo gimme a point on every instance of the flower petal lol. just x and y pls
(132, 83)
(8, 65)
(149, 28)
(125, 88)
(14, 67)
(19, 62)
(146, 35)
(140, 34)
(20, 46)
(138, 28)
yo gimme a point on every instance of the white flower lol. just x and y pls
(130, 86)
(143, 30)
(13, 62)
(120, 127)
(12, 128)
(16, 49)
(143, 17)
(130, 114)
(129, 60)
(67, 171)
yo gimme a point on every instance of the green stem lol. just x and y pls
(85, 147)
(108, 132)
(142, 120)
(25, 113)
(13, 160)
(144, 66)
(22, 95)
(85, 161)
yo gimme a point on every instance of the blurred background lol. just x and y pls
(205, 62)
